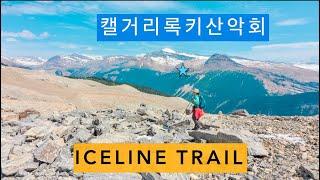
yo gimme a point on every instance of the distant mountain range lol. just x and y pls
(228, 82)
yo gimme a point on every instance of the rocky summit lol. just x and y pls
(41, 147)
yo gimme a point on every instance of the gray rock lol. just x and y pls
(54, 118)
(29, 176)
(61, 131)
(21, 173)
(30, 166)
(85, 121)
(83, 135)
(5, 150)
(11, 167)
(98, 130)
(113, 176)
(255, 146)
(150, 119)
(64, 161)
(69, 120)
(84, 115)
(96, 122)
(142, 111)
(175, 176)
(158, 138)
(119, 114)
(38, 132)
(48, 151)
(175, 115)
(151, 176)
(309, 171)
(45, 171)
(240, 112)
(182, 137)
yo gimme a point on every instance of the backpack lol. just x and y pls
(202, 102)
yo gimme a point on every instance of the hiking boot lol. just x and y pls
(195, 128)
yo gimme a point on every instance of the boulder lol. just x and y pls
(83, 135)
(37, 132)
(142, 111)
(255, 146)
(119, 114)
(151, 176)
(5, 150)
(12, 166)
(64, 161)
(240, 112)
(61, 131)
(309, 171)
(48, 151)
(69, 120)
(157, 138)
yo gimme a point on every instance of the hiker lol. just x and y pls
(197, 109)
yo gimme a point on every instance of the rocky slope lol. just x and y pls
(38, 147)
(49, 114)
(36, 90)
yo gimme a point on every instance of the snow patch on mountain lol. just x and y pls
(168, 50)
(312, 67)
(251, 63)
(24, 61)
(168, 61)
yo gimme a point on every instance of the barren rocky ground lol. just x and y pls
(37, 147)
(37, 136)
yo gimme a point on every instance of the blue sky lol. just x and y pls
(55, 28)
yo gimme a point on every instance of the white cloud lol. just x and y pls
(298, 45)
(302, 52)
(11, 39)
(28, 8)
(44, 35)
(292, 22)
(64, 7)
(24, 34)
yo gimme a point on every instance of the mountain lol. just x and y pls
(301, 72)
(219, 61)
(313, 67)
(223, 90)
(70, 61)
(228, 82)
(24, 62)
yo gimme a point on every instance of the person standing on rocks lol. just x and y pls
(197, 109)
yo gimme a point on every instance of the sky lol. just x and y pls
(45, 29)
